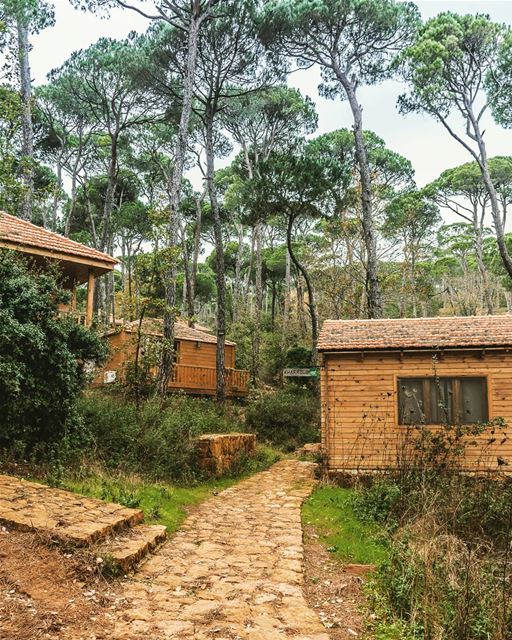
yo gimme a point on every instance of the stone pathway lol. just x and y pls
(233, 571)
(61, 514)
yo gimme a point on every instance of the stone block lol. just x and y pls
(217, 453)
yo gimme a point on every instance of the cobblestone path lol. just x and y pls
(233, 571)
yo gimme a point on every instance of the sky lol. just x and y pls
(417, 137)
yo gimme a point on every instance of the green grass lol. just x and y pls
(330, 510)
(161, 502)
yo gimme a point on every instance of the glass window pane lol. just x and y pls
(410, 398)
(441, 391)
(473, 392)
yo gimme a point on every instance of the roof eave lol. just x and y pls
(467, 347)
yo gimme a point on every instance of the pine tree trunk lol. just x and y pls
(195, 254)
(237, 293)
(373, 291)
(287, 292)
(27, 147)
(259, 302)
(311, 295)
(479, 251)
(219, 255)
(165, 368)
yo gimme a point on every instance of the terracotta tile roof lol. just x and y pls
(20, 232)
(154, 326)
(416, 333)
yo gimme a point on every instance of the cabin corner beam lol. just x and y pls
(90, 298)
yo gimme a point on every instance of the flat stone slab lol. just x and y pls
(233, 571)
(63, 515)
(130, 547)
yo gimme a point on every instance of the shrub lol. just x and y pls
(155, 440)
(449, 573)
(378, 503)
(287, 417)
(41, 360)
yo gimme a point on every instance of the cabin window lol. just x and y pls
(442, 400)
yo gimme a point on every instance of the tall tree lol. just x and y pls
(67, 138)
(447, 69)
(23, 18)
(462, 190)
(412, 218)
(353, 42)
(293, 184)
(231, 63)
(261, 123)
(103, 83)
(186, 17)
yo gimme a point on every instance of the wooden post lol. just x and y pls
(90, 299)
(73, 298)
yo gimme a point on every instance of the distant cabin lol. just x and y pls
(195, 350)
(383, 379)
(78, 263)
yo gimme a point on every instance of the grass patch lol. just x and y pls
(162, 503)
(330, 510)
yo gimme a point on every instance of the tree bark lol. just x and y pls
(287, 290)
(219, 256)
(259, 302)
(483, 162)
(496, 214)
(108, 206)
(174, 201)
(237, 293)
(373, 291)
(479, 251)
(27, 148)
(195, 256)
(311, 295)
(58, 190)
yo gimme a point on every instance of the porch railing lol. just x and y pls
(186, 376)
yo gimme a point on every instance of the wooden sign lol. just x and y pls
(312, 372)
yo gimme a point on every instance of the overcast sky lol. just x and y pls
(418, 138)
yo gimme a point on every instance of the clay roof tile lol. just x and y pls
(15, 231)
(416, 333)
(154, 326)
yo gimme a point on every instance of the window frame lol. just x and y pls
(457, 406)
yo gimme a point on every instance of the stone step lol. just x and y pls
(62, 515)
(129, 547)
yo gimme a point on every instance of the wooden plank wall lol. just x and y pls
(122, 350)
(360, 428)
(204, 355)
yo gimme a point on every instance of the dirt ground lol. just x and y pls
(48, 594)
(333, 591)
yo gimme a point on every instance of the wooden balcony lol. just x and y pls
(203, 380)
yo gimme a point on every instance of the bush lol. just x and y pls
(287, 417)
(41, 360)
(449, 572)
(378, 503)
(156, 440)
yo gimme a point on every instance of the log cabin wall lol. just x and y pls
(122, 350)
(360, 421)
(203, 354)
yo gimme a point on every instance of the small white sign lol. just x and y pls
(109, 377)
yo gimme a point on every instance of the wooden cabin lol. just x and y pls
(78, 263)
(383, 381)
(195, 349)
